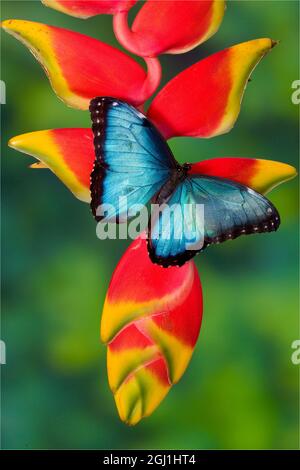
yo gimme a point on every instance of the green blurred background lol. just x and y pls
(241, 388)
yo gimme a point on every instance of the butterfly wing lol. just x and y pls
(133, 160)
(209, 210)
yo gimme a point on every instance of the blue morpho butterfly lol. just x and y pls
(134, 160)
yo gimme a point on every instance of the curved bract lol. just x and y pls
(150, 322)
(205, 99)
(68, 153)
(80, 67)
(169, 26)
(256, 173)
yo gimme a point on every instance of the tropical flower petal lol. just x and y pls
(258, 174)
(169, 26)
(205, 99)
(69, 153)
(80, 67)
(87, 8)
(150, 322)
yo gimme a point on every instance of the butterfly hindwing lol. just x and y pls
(132, 158)
(229, 210)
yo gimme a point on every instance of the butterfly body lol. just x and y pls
(134, 163)
(177, 176)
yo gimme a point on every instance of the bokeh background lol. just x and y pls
(241, 388)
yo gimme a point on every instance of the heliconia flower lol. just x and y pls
(150, 323)
(88, 8)
(205, 99)
(169, 26)
(80, 67)
(151, 316)
(70, 154)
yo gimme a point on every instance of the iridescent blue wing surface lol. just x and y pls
(132, 162)
(207, 210)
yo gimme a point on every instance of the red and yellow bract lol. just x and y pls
(80, 67)
(151, 321)
(205, 99)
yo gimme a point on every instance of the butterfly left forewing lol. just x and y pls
(132, 160)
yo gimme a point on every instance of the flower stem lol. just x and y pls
(131, 41)
(124, 34)
(152, 79)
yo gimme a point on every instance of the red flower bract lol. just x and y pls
(151, 321)
(88, 8)
(169, 26)
(80, 67)
(209, 93)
